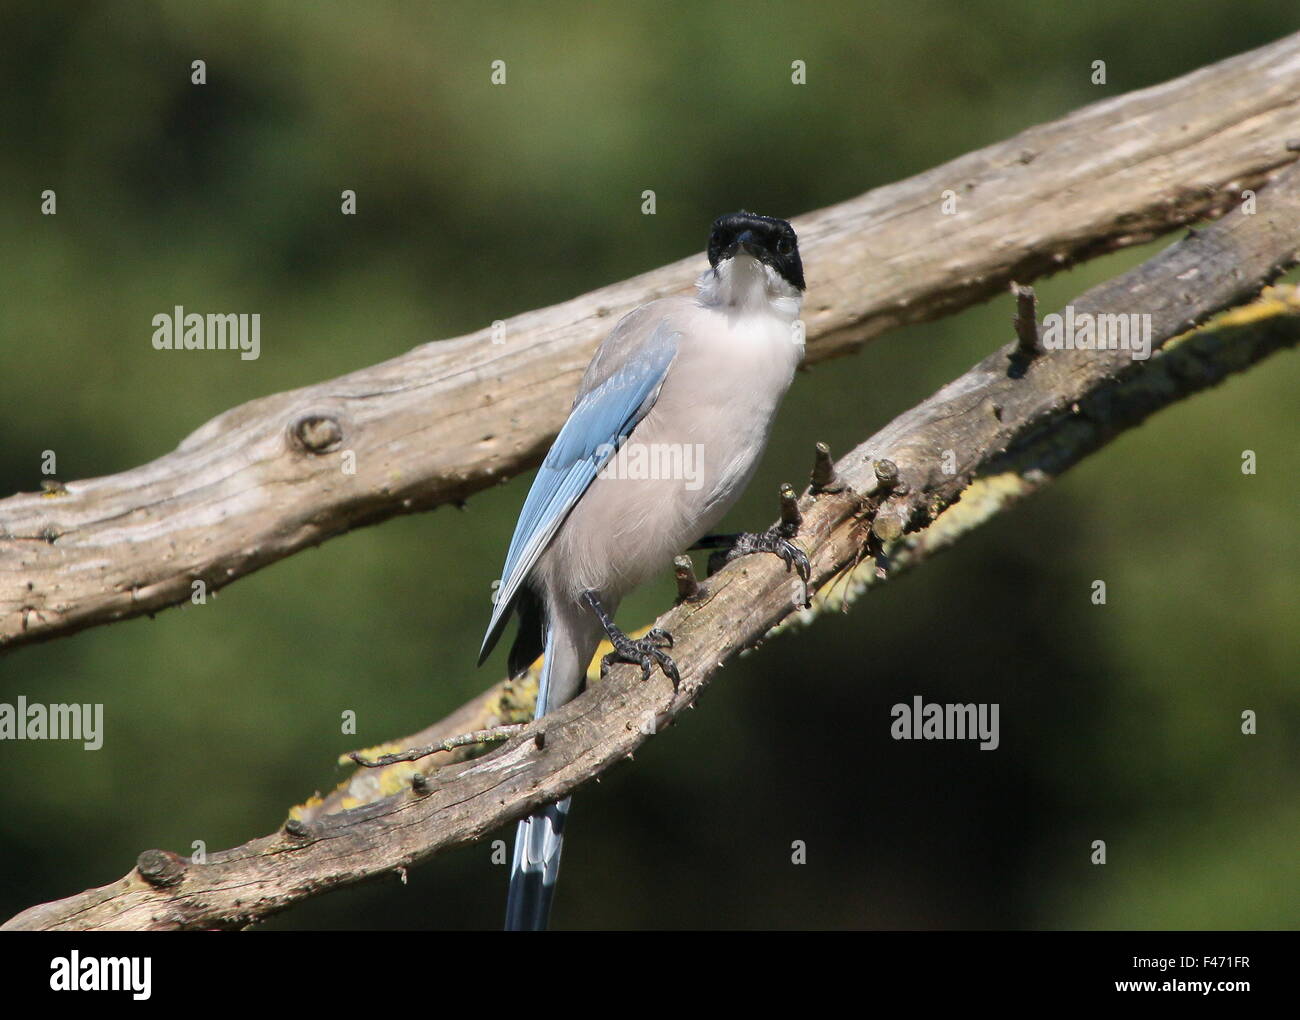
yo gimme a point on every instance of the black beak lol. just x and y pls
(749, 242)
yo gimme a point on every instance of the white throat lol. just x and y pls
(743, 285)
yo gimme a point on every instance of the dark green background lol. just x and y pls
(477, 202)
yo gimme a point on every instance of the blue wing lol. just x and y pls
(601, 419)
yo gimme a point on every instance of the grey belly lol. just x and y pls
(627, 528)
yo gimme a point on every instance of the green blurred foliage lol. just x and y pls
(477, 202)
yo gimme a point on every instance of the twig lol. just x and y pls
(791, 518)
(1028, 344)
(824, 477)
(689, 588)
(496, 733)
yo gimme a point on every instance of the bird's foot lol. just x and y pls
(644, 652)
(775, 539)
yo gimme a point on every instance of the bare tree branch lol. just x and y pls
(977, 446)
(448, 419)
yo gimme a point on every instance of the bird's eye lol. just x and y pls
(784, 246)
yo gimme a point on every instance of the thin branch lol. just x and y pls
(475, 739)
(977, 446)
(446, 420)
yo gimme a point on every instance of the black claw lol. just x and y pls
(795, 557)
(660, 637)
(670, 670)
(644, 653)
(775, 541)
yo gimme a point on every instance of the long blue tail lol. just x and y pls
(539, 840)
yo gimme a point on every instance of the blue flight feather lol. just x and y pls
(601, 419)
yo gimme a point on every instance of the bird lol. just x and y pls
(690, 383)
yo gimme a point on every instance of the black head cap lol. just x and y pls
(768, 239)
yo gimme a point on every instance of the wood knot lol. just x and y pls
(317, 433)
(161, 868)
(298, 829)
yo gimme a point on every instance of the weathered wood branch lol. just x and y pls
(448, 419)
(977, 446)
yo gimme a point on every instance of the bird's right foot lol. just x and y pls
(645, 652)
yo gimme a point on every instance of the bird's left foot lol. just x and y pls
(775, 539)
